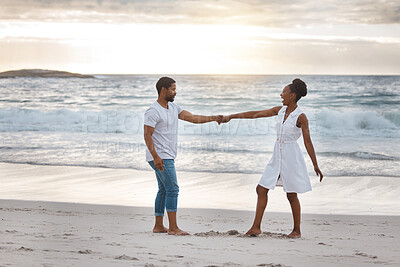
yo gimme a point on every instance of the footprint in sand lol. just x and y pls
(274, 235)
(40, 236)
(270, 265)
(125, 257)
(271, 235)
(233, 232)
(236, 233)
(216, 233)
(51, 250)
(175, 256)
(68, 234)
(113, 244)
(323, 244)
(86, 251)
(366, 255)
(25, 249)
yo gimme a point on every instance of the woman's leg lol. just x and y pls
(296, 211)
(262, 200)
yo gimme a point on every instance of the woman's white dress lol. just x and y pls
(287, 162)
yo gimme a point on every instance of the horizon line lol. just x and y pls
(220, 74)
(243, 74)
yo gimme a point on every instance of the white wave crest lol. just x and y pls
(62, 120)
(353, 120)
(323, 122)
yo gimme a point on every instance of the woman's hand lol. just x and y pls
(226, 119)
(319, 173)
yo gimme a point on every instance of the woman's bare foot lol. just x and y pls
(177, 232)
(253, 232)
(294, 234)
(160, 229)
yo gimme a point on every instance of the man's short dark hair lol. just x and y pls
(164, 82)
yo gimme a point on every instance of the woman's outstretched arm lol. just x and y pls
(253, 114)
(303, 121)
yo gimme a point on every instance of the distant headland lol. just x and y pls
(42, 73)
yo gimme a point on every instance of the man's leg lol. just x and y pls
(262, 200)
(171, 199)
(296, 211)
(159, 205)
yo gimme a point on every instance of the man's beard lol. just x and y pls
(170, 99)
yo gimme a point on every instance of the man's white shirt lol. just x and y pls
(165, 124)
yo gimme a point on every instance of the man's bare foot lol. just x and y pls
(253, 232)
(294, 234)
(160, 230)
(177, 232)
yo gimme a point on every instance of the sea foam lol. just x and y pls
(322, 122)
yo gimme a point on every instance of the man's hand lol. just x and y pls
(159, 163)
(219, 119)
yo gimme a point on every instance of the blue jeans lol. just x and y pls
(168, 189)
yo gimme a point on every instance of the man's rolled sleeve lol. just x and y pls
(179, 109)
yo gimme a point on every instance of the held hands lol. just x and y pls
(222, 119)
(218, 119)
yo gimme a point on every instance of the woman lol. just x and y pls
(287, 166)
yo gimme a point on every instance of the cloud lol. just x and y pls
(272, 13)
(255, 36)
(302, 56)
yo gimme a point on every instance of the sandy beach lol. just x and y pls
(64, 234)
(56, 233)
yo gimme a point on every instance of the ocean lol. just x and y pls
(354, 122)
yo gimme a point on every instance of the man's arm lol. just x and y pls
(253, 114)
(148, 132)
(187, 116)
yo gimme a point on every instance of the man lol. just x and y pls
(161, 136)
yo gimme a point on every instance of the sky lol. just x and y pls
(202, 37)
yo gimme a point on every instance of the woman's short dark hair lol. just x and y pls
(164, 82)
(299, 88)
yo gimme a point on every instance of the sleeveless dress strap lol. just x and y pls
(296, 114)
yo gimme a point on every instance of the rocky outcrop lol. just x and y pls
(42, 73)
